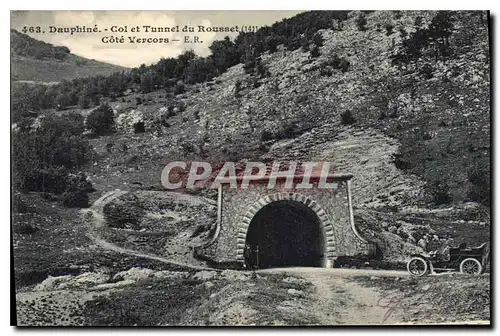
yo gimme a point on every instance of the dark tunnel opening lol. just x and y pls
(285, 233)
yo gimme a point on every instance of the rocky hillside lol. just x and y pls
(412, 137)
(431, 130)
(37, 61)
(399, 99)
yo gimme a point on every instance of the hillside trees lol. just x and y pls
(44, 154)
(361, 22)
(187, 67)
(102, 120)
(224, 54)
(430, 43)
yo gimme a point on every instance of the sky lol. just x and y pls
(92, 46)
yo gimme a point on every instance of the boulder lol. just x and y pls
(131, 121)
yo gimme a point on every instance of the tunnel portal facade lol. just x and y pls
(283, 227)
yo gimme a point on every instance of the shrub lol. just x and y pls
(288, 131)
(440, 192)
(361, 22)
(101, 120)
(479, 177)
(272, 44)
(42, 157)
(138, 100)
(427, 71)
(339, 63)
(181, 106)
(249, 66)
(139, 127)
(79, 182)
(389, 29)
(199, 70)
(261, 69)
(256, 83)
(75, 199)
(124, 213)
(326, 72)
(318, 40)
(83, 100)
(237, 88)
(347, 118)
(315, 52)
(305, 44)
(18, 203)
(50, 179)
(179, 89)
(266, 135)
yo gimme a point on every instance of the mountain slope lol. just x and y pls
(37, 61)
(415, 135)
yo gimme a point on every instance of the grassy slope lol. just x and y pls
(27, 67)
(47, 71)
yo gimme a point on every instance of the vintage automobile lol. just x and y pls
(462, 259)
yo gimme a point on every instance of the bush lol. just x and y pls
(315, 52)
(237, 88)
(75, 199)
(389, 29)
(19, 204)
(318, 40)
(479, 177)
(347, 118)
(361, 22)
(427, 71)
(249, 67)
(101, 120)
(261, 69)
(288, 131)
(43, 156)
(179, 89)
(79, 182)
(305, 45)
(339, 63)
(51, 179)
(266, 135)
(24, 226)
(124, 213)
(440, 192)
(139, 127)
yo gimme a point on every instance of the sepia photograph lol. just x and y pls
(250, 168)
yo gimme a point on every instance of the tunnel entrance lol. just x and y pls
(285, 233)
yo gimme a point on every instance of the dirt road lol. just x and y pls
(95, 219)
(336, 296)
(337, 299)
(340, 300)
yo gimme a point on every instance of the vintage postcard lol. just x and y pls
(250, 168)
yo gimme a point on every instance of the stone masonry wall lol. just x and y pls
(331, 206)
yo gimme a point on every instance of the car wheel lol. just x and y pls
(471, 266)
(417, 266)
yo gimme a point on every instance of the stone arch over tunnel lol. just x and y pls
(289, 229)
